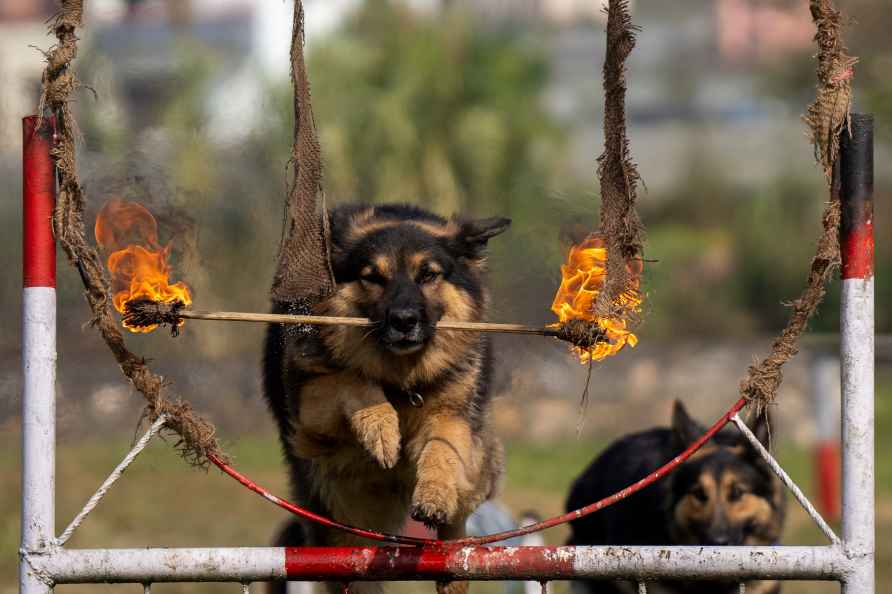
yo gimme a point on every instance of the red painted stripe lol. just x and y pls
(39, 200)
(857, 252)
(827, 466)
(440, 563)
(350, 563)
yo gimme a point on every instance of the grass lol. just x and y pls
(163, 502)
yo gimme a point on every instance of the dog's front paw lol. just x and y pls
(378, 430)
(434, 503)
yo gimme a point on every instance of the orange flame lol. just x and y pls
(137, 262)
(582, 279)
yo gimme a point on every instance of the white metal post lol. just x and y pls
(857, 354)
(38, 358)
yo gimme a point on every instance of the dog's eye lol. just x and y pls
(428, 275)
(699, 493)
(736, 493)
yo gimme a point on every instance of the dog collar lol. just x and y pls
(415, 398)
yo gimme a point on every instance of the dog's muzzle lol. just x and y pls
(404, 331)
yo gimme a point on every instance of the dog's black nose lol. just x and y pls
(403, 319)
(718, 540)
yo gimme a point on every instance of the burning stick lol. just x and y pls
(146, 313)
(594, 337)
(137, 261)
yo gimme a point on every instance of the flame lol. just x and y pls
(137, 262)
(582, 279)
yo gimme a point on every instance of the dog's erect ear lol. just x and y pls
(685, 430)
(472, 236)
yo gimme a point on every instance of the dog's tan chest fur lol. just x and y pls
(363, 442)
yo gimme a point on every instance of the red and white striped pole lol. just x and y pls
(38, 354)
(826, 403)
(857, 353)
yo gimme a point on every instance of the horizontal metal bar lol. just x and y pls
(73, 566)
(447, 563)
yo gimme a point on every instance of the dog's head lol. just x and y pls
(405, 269)
(725, 494)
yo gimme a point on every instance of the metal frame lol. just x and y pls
(848, 560)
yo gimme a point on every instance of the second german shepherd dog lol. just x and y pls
(380, 423)
(725, 494)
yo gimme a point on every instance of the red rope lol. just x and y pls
(305, 513)
(499, 536)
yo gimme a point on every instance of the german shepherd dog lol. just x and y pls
(379, 423)
(725, 494)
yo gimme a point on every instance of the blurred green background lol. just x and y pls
(486, 108)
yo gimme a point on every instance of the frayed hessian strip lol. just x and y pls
(197, 436)
(304, 268)
(827, 118)
(829, 114)
(620, 224)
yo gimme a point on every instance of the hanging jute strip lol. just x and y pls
(196, 436)
(304, 272)
(827, 118)
(621, 227)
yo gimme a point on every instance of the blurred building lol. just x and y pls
(22, 29)
(557, 12)
(244, 43)
(152, 42)
(758, 30)
(26, 11)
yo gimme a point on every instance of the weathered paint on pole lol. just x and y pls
(857, 353)
(38, 354)
(447, 563)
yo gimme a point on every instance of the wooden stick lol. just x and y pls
(237, 316)
(144, 313)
